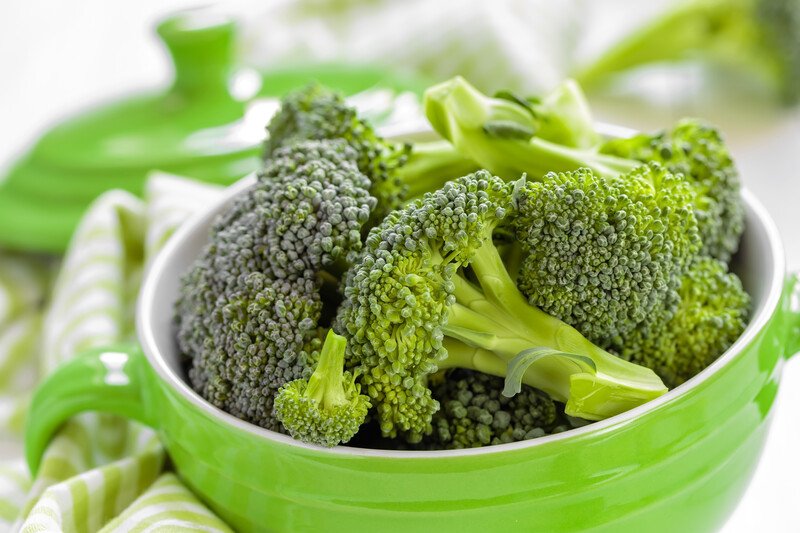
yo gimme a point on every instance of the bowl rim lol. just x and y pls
(145, 332)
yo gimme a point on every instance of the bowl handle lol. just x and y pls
(114, 380)
(791, 308)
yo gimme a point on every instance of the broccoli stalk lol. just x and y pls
(428, 166)
(328, 407)
(561, 117)
(498, 321)
(499, 134)
(760, 36)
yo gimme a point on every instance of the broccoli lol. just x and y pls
(250, 309)
(328, 407)
(604, 255)
(397, 171)
(411, 308)
(474, 412)
(459, 113)
(698, 152)
(711, 314)
(761, 37)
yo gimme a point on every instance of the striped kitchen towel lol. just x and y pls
(100, 471)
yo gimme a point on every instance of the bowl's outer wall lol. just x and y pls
(680, 467)
(680, 464)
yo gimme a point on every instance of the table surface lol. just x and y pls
(51, 68)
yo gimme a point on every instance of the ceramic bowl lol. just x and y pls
(678, 463)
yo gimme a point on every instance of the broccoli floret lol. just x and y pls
(474, 412)
(249, 309)
(460, 113)
(397, 171)
(604, 254)
(711, 314)
(328, 407)
(760, 37)
(317, 203)
(696, 151)
(411, 308)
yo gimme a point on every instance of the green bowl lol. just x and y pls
(678, 463)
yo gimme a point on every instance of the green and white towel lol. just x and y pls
(100, 473)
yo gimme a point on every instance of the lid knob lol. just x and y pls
(201, 43)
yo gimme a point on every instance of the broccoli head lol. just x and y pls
(696, 151)
(603, 254)
(249, 309)
(397, 171)
(328, 407)
(430, 291)
(317, 203)
(711, 314)
(474, 412)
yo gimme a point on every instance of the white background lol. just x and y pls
(57, 57)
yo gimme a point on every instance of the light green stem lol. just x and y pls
(463, 115)
(488, 326)
(325, 384)
(666, 39)
(431, 165)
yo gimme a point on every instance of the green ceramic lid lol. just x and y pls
(195, 128)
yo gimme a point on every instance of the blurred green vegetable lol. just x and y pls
(760, 38)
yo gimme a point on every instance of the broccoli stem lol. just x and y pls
(494, 323)
(504, 142)
(325, 384)
(328, 407)
(476, 111)
(537, 157)
(430, 165)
